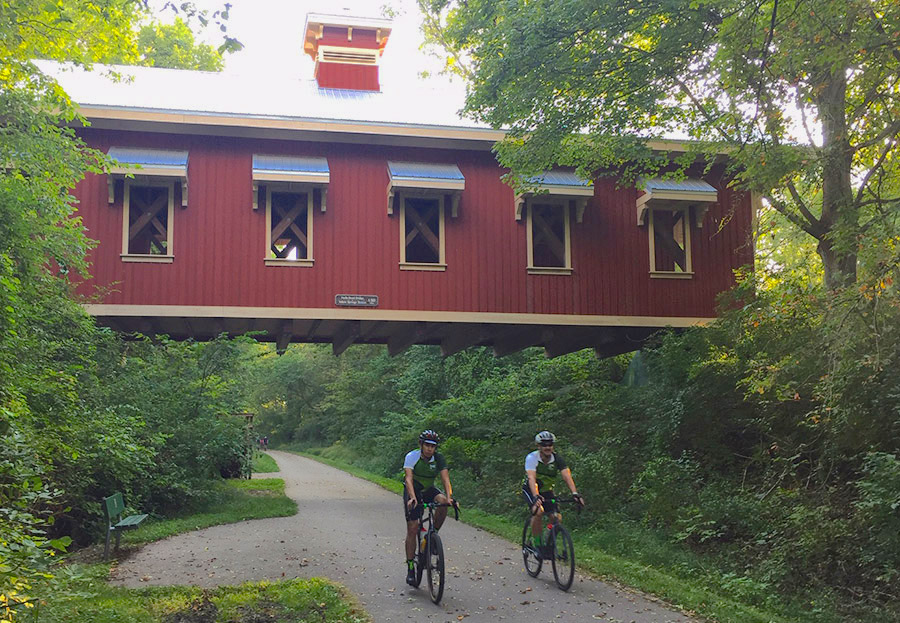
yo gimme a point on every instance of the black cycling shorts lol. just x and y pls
(423, 496)
(548, 495)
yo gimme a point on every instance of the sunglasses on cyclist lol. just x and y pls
(546, 444)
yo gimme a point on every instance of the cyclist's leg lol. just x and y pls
(412, 523)
(538, 516)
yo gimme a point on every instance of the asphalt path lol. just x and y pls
(351, 531)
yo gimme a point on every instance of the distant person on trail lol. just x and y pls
(265, 442)
(541, 470)
(420, 469)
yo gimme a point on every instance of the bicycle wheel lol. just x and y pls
(533, 562)
(435, 567)
(563, 557)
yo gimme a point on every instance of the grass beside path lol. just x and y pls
(81, 593)
(263, 463)
(233, 501)
(684, 592)
(87, 597)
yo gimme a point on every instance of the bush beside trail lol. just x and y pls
(762, 454)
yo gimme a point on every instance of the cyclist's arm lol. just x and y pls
(408, 481)
(567, 478)
(445, 479)
(532, 481)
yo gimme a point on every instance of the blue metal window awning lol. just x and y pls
(670, 193)
(141, 162)
(426, 176)
(290, 170)
(562, 184)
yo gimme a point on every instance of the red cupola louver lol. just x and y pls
(347, 50)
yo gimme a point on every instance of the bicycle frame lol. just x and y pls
(430, 551)
(562, 560)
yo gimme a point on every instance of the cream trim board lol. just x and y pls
(170, 219)
(661, 274)
(248, 121)
(566, 191)
(423, 266)
(428, 183)
(562, 204)
(298, 177)
(686, 224)
(442, 237)
(316, 313)
(159, 171)
(268, 255)
(546, 270)
(276, 261)
(136, 258)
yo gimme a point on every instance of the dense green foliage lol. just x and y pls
(230, 501)
(766, 448)
(587, 83)
(82, 413)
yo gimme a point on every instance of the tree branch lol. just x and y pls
(793, 218)
(875, 167)
(815, 223)
(879, 28)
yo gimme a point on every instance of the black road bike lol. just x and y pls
(430, 558)
(556, 547)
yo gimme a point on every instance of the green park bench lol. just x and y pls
(115, 506)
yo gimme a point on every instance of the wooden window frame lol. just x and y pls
(309, 260)
(563, 204)
(148, 258)
(441, 264)
(688, 272)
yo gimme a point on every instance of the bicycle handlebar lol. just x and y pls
(455, 505)
(572, 500)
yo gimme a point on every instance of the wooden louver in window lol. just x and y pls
(423, 231)
(549, 236)
(148, 220)
(290, 226)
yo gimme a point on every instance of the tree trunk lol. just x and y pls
(839, 215)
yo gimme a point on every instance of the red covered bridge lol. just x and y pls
(332, 210)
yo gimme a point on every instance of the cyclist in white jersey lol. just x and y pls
(420, 468)
(542, 467)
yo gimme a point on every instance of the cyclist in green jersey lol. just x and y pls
(542, 467)
(420, 469)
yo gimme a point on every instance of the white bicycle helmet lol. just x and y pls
(545, 436)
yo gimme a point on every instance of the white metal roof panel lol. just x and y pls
(425, 171)
(689, 185)
(289, 164)
(150, 158)
(155, 89)
(560, 178)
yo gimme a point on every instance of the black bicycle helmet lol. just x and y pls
(545, 436)
(429, 436)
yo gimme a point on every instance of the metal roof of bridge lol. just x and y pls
(195, 92)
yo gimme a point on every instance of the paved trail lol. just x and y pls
(351, 531)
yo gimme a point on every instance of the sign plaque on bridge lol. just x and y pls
(356, 300)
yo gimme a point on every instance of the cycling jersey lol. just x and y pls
(424, 471)
(545, 473)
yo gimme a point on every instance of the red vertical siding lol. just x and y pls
(219, 241)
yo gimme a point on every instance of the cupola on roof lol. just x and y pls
(347, 49)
